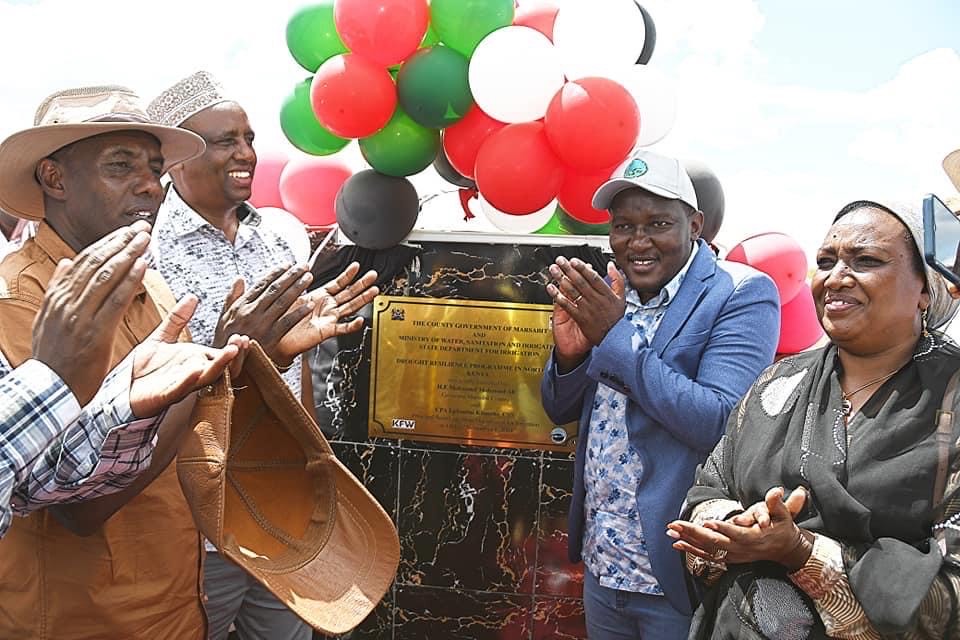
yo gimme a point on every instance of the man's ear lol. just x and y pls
(49, 174)
(176, 173)
(696, 224)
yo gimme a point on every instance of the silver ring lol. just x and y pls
(579, 297)
(720, 555)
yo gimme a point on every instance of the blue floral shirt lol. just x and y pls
(614, 548)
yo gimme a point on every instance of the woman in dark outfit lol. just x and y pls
(831, 507)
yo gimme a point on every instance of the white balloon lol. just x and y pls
(592, 37)
(288, 227)
(656, 98)
(514, 73)
(527, 223)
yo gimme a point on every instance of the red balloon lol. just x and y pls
(576, 195)
(353, 97)
(309, 188)
(540, 16)
(799, 326)
(265, 191)
(517, 172)
(777, 255)
(592, 123)
(462, 141)
(383, 31)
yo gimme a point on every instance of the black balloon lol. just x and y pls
(376, 211)
(709, 197)
(442, 164)
(649, 35)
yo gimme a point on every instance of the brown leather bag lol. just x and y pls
(268, 492)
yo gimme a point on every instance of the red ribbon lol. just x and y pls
(466, 195)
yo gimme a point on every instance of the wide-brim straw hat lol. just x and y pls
(70, 116)
(266, 489)
(951, 164)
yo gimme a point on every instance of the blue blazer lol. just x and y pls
(718, 334)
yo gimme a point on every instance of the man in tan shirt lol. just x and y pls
(128, 564)
(62, 574)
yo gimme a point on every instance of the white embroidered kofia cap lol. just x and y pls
(191, 95)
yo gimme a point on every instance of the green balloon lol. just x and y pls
(402, 148)
(301, 126)
(553, 227)
(433, 88)
(312, 37)
(462, 24)
(563, 224)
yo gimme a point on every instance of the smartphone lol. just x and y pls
(941, 238)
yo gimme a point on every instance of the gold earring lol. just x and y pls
(926, 337)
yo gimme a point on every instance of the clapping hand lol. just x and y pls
(165, 371)
(330, 305)
(765, 531)
(268, 311)
(585, 308)
(85, 302)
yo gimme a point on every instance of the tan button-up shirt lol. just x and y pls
(139, 575)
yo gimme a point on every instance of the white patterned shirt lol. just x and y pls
(614, 547)
(195, 257)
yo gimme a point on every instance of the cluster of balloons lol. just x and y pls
(782, 258)
(305, 187)
(532, 105)
(561, 97)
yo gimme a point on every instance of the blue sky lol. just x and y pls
(851, 44)
(798, 107)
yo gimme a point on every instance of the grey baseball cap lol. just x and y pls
(660, 175)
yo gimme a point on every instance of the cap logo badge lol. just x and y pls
(635, 169)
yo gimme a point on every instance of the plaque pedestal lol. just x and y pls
(483, 528)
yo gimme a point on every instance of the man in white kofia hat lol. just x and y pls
(211, 242)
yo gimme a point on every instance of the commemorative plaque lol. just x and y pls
(462, 372)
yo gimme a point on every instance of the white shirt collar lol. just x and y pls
(183, 219)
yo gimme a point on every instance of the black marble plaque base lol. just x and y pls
(483, 531)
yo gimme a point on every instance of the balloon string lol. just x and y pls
(316, 253)
(466, 195)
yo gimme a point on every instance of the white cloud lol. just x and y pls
(885, 141)
(798, 204)
(717, 30)
(896, 136)
(61, 43)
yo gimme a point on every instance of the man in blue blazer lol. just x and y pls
(651, 360)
